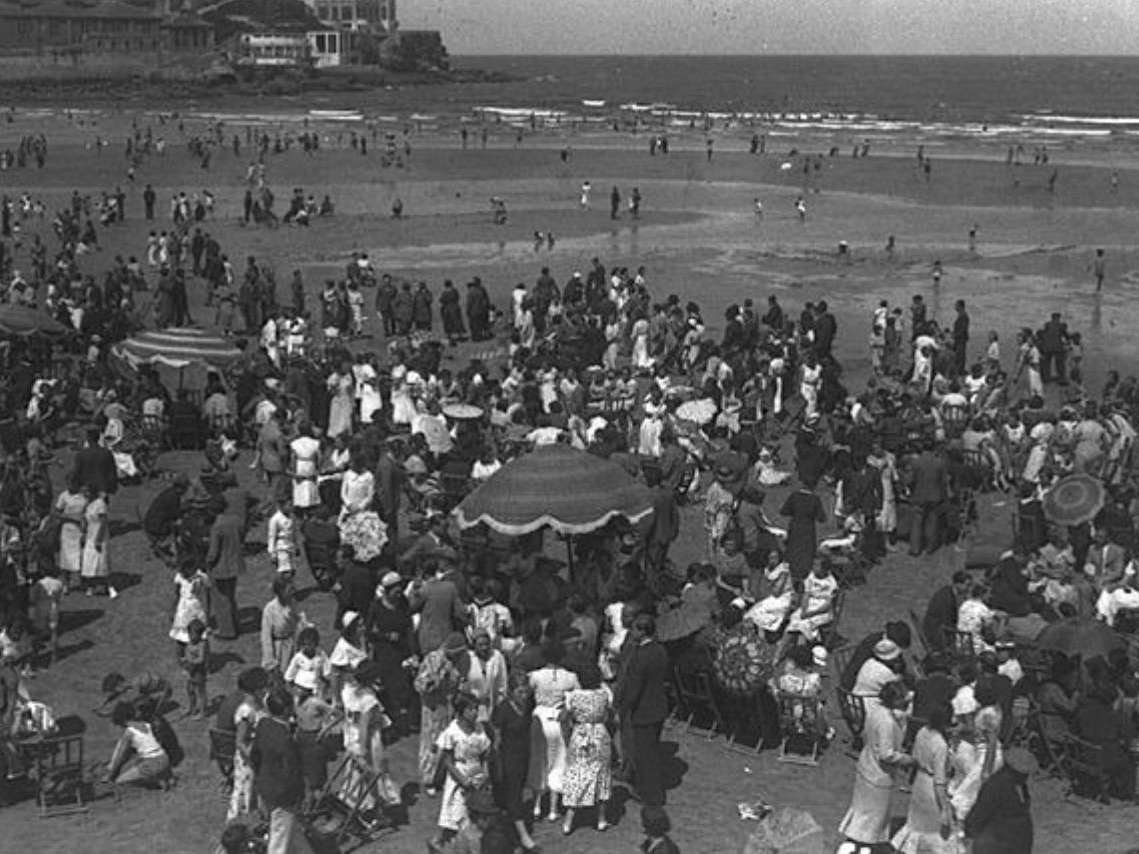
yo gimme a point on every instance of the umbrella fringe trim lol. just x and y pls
(546, 520)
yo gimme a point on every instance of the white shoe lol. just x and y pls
(112, 592)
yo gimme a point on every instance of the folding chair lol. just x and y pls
(696, 699)
(959, 644)
(853, 710)
(798, 724)
(349, 793)
(828, 632)
(916, 624)
(57, 768)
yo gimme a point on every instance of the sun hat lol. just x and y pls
(391, 578)
(348, 618)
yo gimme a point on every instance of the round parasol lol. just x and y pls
(557, 486)
(1074, 500)
(177, 348)
(745, 662)
(23, 320)
(462, 412)
(699, 411)
(1087, 638)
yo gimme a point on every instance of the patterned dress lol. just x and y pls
(243, 798)
(588, 773)
(436, 682)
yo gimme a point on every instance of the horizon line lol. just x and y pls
(786, 55)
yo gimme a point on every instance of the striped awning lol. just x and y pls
(555, 486)
(177, 348)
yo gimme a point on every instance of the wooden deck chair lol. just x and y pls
(800, 740)
(853, 710)
(696, 701)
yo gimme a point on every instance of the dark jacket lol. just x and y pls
(276, 761)
(641, 693)
(226, 557)
(95, 467)
(941, 612)
(929, 479)
(1001, 821)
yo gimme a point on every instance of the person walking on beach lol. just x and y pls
(615, 203)
(709, 148)
(1099, 269)
(586, 189)
(758, 210)
(960, 338)
(801, 209)
(635, 203)
(973, 239)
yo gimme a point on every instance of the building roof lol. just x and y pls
(107, 10)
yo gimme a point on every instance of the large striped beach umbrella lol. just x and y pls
(555, 486)
(23, 320)
(177, 348)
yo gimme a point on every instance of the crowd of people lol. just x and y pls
(531, 695)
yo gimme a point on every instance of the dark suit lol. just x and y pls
(95, 467)
(1053, 357)
(642, 699)
(225, 561)
(928, 491)
(941, 612)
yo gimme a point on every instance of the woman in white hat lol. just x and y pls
(868, 819)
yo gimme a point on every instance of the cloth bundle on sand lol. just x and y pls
(788, 831)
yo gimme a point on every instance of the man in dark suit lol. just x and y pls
(95, 465)
(942, 609)
(826, 328)
(929, 488)
(960, 338)
(641, 698)
(1053, 344)
(225, 561)
(276, 761)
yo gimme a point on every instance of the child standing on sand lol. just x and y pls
(993, 353)
(195, 661)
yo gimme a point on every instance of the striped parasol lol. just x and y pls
(1074, 499)
(557, 486)
(177, 348)
(23, 320)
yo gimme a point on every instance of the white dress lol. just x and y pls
(367, 392)
(95, 562)
(71, 506)
(547, 744)
(306, 456)
(403, 408)
(191, 604)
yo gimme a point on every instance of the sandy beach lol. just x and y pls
(698, 237)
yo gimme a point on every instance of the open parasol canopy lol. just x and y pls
(462, 412)
(555, 486)
(1074, 500)
(23, 320)
(177, 348)
(698, 411)
(1087, 638)
(744, 662)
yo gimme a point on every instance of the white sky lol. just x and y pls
(779, 26)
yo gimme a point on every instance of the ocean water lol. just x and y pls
(999, 99)
(903, 88)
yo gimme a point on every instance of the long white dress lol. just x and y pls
(547, 744)
(340, 409)
(403, 407)
(95, 562)
(367, 392)
(71, 507)
(306, 457)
